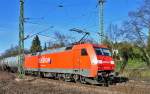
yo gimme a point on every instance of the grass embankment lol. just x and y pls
(135, 69)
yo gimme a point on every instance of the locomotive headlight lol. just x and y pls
(100, 62)
(112, 62)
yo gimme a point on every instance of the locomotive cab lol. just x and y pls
(105, 61)
(98, 61)
(106, 65)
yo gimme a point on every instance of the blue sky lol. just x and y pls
(43, 14)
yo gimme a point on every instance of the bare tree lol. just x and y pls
(135, 29)
(113, 33)
(60, 40)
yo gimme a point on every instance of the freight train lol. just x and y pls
(85, 63)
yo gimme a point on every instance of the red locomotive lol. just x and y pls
(78, 62)
(87, 63)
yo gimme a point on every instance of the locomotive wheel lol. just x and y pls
(41, 74)
(76, 78)
(82, 80)
(67, 77)
(60, 77)
(106, 84)
(56, 77)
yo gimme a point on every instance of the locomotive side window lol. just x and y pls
(102, 51)
(84, 52)
(98, 51)
(106, 52)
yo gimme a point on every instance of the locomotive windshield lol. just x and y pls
(102, 51)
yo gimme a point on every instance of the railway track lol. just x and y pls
(38, 85)
(132, 87)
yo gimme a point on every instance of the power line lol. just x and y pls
(38, 33)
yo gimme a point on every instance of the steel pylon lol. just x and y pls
(21, 40)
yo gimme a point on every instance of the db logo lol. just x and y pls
(45, 60)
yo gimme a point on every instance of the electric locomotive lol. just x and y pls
(87, 63)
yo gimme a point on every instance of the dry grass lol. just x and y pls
(47, 86)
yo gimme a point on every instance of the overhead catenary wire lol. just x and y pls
(32, 35)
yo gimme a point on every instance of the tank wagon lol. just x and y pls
(87, 63)
(9, 64)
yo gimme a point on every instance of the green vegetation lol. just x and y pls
(135, 69)
(148, 44)
(131, 40)
(45, 46)
(36, 45)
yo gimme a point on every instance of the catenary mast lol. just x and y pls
(21, 40)
(101, 19)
